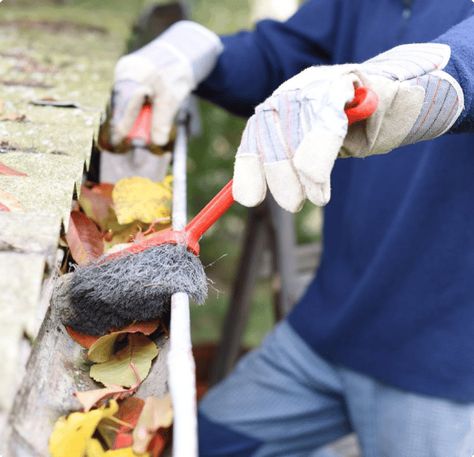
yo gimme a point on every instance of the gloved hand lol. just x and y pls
(165, 72)
(295, 136)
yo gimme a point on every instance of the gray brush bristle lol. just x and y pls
(133, 288)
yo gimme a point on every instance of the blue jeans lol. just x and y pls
(283, 400)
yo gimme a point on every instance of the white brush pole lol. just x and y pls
(182, 377)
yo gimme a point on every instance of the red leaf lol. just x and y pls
(104, 189)
(8, 202)
(147, 328)
(84, 239)
(7, 171)
(122, 440)
(158, 443)
(129, 412)
(86, 341)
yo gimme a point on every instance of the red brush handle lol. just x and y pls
(362, 107)
(141, 129)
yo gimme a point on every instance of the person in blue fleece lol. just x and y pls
(382, 342)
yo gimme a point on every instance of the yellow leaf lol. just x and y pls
(141, 199)
(94, 449)
(102, 350)
(71, 434)
(128, 367)
(121, 234)
(125, 452)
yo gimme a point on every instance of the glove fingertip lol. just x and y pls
(161, 137)
(285, 186)
(318, 194)
(249, 186)
(164, 113)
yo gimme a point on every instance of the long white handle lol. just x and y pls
(181, 367)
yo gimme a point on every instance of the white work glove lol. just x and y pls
(295, 136)
(165, 72)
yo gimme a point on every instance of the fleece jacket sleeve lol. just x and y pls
(461, 66)
(253, 64)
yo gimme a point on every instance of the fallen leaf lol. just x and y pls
(158, 443)
(102, 349)
(141, 199)
(9, 203)
(130, 365)
(105, 189)
(7, 171)
(71, 434)
(89, 398)
(97, 204)
(123, 440)
(127, 452)
(84, 239)
(123, 234)
(107, 430)
(157, 413)
(129, 412)
(86, 341)
(95, 449)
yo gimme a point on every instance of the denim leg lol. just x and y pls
(394, 423)
(281, 400)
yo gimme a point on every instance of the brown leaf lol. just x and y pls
(7, 171)
(90, 398)
(84, 239)
(97, 204)
(157, 413)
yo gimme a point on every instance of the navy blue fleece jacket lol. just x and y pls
(394, 295)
